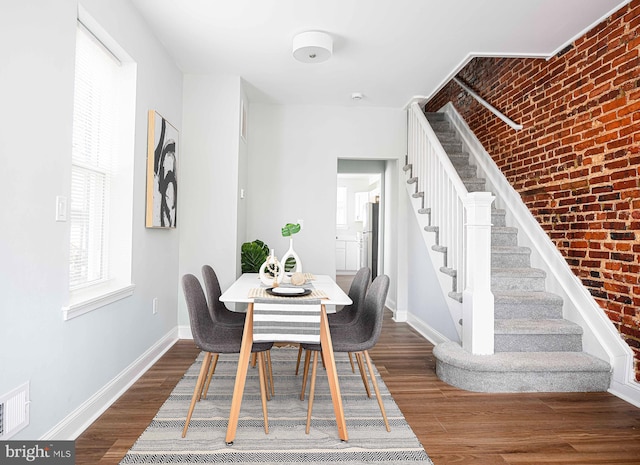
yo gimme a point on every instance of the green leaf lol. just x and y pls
(290, 229)
(253, 255)
(290, 264)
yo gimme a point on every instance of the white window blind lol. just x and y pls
(94, 133)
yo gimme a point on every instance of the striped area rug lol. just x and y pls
(369, 442)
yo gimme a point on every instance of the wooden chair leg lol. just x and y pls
(211, 372)
(363, 373)
(375, 388)
(263, 390)
(307, 356)
(197, 390)
(353, 369)
(312, 390)
(253, 359)
(262, 359)
(299, 356)
(270, 368)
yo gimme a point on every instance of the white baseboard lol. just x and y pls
(430, 334)
(629, 392)
(82, 417)
(184, 332)
(400, 316)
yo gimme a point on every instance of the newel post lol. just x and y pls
(477, 298)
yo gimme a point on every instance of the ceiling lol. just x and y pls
(389, 50)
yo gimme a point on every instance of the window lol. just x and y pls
(101, 174)
(92, 153)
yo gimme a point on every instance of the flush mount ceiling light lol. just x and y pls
(312, 47)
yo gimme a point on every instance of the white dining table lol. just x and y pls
(239, 292)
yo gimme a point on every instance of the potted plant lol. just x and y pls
(253, 255)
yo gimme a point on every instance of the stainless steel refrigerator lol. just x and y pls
(370, 238)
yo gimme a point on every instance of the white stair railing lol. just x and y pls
(463, 220)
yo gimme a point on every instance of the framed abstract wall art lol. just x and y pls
(162, 179)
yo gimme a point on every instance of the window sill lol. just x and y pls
(88, 301)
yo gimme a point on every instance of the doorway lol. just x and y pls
(359, 216)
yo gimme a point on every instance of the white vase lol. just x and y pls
(292, 253)
(266, 278)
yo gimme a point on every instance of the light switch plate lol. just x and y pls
(61, 208)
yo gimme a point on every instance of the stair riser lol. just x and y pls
(504, 283)
(436, 118)
(466, 171)
(452, 147)
(447, 136)
(504, 239)
(513, 260)
(473, 186)
(440, 126)
(523, 381)
(458, 156)
(538, 343)
(505, 311)
(498, 220)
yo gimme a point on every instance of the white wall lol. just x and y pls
(425, 301)
(287, 166)
(69, 361)
(209, 201)
(293, 153)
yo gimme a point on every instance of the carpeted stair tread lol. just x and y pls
(508, 256)
(514, 297)
(537, 335)
(518, 272)
(510, 249)
(453, 354)
(541, 326)
(523, 304)
(521, 371)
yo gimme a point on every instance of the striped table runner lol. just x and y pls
(286, 320)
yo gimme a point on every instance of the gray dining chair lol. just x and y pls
(357, 338)
(348, 313)
(214, 337)
(219, 312)
(357, 291)
(217, 309)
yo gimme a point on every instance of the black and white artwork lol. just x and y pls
(162, 180)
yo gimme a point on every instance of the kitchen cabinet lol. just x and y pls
(347, 255)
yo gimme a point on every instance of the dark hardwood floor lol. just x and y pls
(454, 426)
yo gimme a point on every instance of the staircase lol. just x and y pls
(536, 349)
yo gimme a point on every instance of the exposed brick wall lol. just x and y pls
(576, 162)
